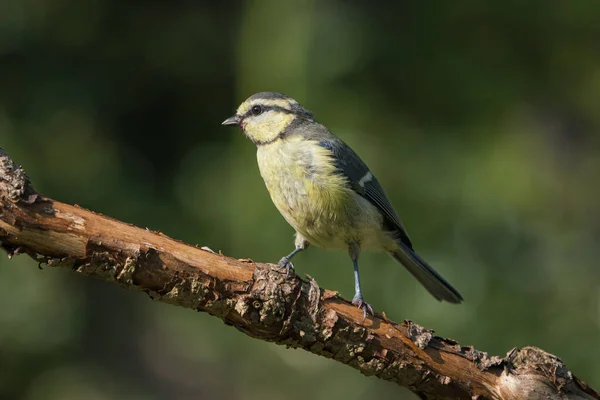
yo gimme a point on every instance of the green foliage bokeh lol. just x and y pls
(479, 118)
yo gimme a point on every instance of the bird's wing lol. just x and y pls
(364, 183)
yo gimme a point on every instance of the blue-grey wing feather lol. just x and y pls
(350, 164)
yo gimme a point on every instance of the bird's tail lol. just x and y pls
(433, 282)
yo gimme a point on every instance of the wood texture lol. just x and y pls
(263, 303)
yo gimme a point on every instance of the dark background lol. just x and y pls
(479, 118)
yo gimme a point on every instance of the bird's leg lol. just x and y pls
(285, 262)
(358, 300)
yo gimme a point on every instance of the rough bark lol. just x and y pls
(263, 303)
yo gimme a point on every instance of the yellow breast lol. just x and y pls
(301, 179)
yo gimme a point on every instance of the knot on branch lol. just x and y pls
(273, 296)
(14, 182)
(288, 309)
(533, 373)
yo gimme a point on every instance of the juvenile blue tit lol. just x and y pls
(326, 192)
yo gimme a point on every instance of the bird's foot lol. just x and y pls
(286, 264)
(364, 306)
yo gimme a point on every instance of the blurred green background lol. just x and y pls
(479, 118)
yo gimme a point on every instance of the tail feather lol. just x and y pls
(429, 278)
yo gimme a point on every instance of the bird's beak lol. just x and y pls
(234, 120)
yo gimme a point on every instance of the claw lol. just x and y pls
(364, 306)
(287, 264)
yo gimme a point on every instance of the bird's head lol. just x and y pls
(265, 116)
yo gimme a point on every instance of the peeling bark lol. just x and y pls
(263, 303)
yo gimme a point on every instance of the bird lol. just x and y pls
(326, 192)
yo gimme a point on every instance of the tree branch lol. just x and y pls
(263, 303)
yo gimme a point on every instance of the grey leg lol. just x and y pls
(301, 244)
(354, 251)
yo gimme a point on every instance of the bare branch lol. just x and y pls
(265, 304)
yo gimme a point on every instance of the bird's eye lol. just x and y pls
(257, 110)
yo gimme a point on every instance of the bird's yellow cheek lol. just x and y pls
(267, 128)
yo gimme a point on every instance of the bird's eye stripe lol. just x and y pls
(267, 108)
